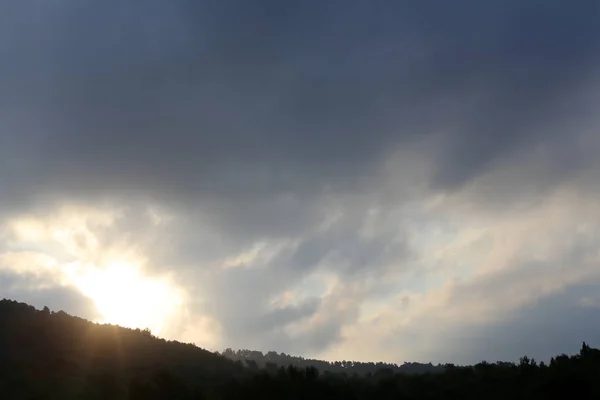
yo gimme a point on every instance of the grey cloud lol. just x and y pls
(323, 327)
(285, 315)
(240, 296)
(343, 245)
(240, 299)
(554, 325)
(533, 307)
(56, 298)
(339, 309)
(248, 120)
(243, 102)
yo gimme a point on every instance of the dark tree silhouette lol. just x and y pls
(52, 355)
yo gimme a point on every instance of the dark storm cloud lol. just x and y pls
(232, 99)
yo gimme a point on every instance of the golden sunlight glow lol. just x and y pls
(125, 297)
(112, 276)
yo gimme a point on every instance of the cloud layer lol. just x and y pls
(336, 179)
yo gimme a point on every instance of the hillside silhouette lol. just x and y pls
(256, 359)
(53, 355)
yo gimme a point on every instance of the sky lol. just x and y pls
(351, 180)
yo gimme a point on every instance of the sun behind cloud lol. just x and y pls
(124, 296)
(64, 247)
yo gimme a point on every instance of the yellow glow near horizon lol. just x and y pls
(113, 277)
(125, 297)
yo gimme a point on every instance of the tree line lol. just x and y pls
(254, 359)
(53, 355)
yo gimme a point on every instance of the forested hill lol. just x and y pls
(256, 359)
(52, 355)
(45, 351)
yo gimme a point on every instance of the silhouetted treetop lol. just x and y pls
(53, 355)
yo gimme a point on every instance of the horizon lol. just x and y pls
(331, 179)
(294, 356)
